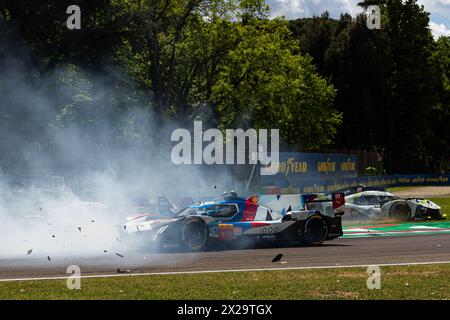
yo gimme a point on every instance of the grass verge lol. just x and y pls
(397, 282)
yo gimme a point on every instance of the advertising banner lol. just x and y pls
(331, 185)
(294, 168)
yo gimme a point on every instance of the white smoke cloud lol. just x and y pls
(109, 164)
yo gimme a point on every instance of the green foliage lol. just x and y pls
(264, 84)
(440, 114)
(319, 80)
(205, 57)
(388, 86)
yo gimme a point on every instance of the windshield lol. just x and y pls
(371, 200)
(215, 210)
(385, 199)
(187, 211)
(222, 210)
(376, 199)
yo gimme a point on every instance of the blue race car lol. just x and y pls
(235, 220)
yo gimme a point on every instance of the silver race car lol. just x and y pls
(381, 204)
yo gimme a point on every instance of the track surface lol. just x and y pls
(340, 252)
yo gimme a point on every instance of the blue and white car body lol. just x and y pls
(232, 219)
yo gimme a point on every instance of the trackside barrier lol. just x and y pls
(331, 185)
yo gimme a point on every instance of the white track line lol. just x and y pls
(223, 271)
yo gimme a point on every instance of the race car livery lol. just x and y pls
(231, 219)
(380, 204)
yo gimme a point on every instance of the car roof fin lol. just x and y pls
(253, 199)
(268, 216)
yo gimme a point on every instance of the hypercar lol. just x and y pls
(380, 204)
(234, 220)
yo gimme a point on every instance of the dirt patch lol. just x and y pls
(424, 192)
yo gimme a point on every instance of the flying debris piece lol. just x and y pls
(53, 236)
(123, 271)
(48, 257)
(29, 252)
(277, 257)
(79, 228)
(92, 221)
(118, 254)
(105, 251)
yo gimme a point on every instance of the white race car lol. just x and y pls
(380, 204)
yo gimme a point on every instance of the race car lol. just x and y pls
(379, 204)
(234, 220)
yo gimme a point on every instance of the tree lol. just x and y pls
(314, 37)
(265, 84)
(42, 26)
(439, 117)
(412, 85)
(358, 64)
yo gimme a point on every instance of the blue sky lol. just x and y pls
(292, 9)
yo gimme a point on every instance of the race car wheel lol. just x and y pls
(194, 234)
(316, 230)
(400, 211)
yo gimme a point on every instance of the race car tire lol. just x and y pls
(315, 230)
(400, 211)
(194, 235)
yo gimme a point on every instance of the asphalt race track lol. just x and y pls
(339, 252)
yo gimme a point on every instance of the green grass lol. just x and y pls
(397, 282)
